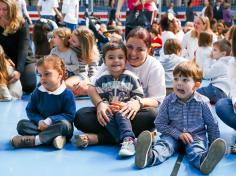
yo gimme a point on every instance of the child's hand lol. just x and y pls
(186, 138)
(42, 125)
(15, 77)
(116, 106)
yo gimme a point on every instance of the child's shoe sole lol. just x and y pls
(143, 146)
(59, 142)
(215, 154)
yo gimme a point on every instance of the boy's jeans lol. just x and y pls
(212, 92)
(119, 127)
(167, 146)
(225, 111)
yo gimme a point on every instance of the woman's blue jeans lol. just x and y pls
(225, 111)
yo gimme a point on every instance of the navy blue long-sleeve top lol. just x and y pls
(58, 107)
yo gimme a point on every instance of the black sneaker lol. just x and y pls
(215, 154)
(23, 141)
(143, 155)
(233, 149)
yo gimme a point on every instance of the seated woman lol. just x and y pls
(142, 111)
(226, 107)
(82, 41)
(14, 38)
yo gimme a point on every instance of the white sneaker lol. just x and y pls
(59, 142)
(127, 148)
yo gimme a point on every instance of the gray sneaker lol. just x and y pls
(143, 149)
(59, 142)
(127, 148)
(215, 154)
(23, 141)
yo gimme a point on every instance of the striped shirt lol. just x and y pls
(124, 88)
(194, 117)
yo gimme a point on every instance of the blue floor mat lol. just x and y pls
(96, 160)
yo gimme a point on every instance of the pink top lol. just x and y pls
(147, 6)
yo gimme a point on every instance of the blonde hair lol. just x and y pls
(57, 63)
(206, 22)
(89, 51)
(64, 34)
(3, 67)
(15, 19)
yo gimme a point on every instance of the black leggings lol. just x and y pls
(28, 78)
(86, 121)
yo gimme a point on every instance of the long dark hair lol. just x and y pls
(234, 43)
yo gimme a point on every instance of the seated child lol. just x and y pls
(184, 118)
(51, 109)
(171, 58)
(115, 87)
(217, 72)
(62, 49)
(8, 89)
(204, 50)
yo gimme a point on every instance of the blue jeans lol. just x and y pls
(50, 17)
(225, 111)
(71, 26)
(167, 146)
(212, 92)
(119, 127)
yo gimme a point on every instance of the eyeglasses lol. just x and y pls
(137, 49)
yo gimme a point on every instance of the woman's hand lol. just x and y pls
(130, 109)
(80, 88)
(235, 105)
(102, 110)
(15, 77)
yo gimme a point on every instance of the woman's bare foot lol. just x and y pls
(85, 140)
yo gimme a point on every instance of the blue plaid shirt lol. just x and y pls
(194, 117)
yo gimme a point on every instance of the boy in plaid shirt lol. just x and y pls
(184, 117)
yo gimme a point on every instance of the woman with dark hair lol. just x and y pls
(14, 38)
(141, 111)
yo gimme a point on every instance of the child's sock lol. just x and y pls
(37, 140)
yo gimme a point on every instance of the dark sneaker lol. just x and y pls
(215, 154)
(59, 142)
(143, 149)
(233, 149)
(23, 141)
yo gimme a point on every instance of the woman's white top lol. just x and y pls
(71, 10)
(190, 45)
(151, 75)
(47, 7)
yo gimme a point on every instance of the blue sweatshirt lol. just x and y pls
(57, 107)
